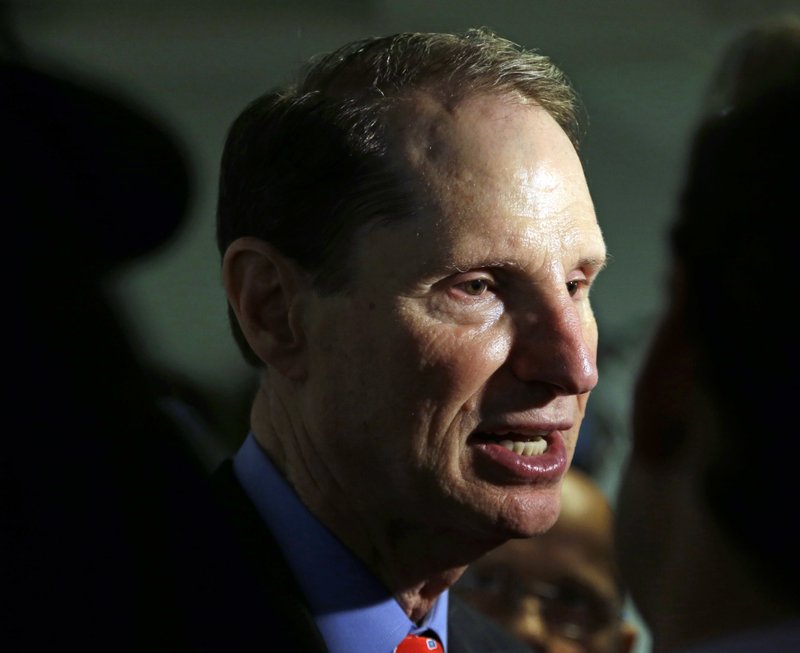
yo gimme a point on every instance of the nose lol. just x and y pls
(555, 343)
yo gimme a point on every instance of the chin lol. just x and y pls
(530, 516)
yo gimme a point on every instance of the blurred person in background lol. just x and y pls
(560, 591)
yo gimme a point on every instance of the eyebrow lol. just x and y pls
(593, 262)
(478, 265)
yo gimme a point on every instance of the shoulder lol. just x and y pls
(469, 631)
(243, 586)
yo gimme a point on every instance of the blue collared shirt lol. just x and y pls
(352, 608)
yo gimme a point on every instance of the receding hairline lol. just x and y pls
(386, 70)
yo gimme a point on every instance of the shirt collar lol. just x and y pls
(352, 608)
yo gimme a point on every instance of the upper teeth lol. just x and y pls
(533, 448)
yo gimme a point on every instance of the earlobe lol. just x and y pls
(264, 288)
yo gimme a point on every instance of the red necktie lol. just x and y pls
(419, 644)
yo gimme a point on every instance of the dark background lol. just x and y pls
(641, 68)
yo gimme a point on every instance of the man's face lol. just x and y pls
(466, 327)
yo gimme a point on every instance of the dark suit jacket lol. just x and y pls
(261, 593)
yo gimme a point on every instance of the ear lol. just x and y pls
(264, 288)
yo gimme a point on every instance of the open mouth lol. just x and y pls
(520, 444)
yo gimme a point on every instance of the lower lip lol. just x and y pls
(504, 466)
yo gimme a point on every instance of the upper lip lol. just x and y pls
(529, 428)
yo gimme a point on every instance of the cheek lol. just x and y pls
(459, 360)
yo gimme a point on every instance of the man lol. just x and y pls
(560, 591)
(710, 558)
(408, 244)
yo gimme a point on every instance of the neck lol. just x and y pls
(418, 563)
(415, 561)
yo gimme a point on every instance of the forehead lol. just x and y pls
(485, 138)
(437, 132)
(493, 165)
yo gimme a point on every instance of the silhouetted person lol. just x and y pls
(763, 57)
(707, 527)
(108, 533)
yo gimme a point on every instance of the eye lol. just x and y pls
(474, 287)
(472, 290)
(575, 286)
